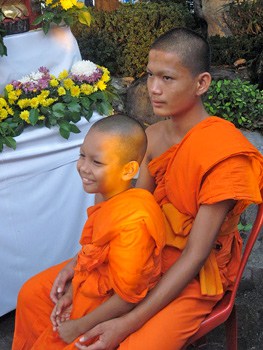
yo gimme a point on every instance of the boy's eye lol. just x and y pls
(166, 77)
(149, 74)
(96, 162)
(81, 155)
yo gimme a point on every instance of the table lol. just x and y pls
(57, 51)
(42, 206)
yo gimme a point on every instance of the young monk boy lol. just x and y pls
(203, 174)
(119, 260)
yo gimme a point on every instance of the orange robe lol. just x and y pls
(213, 162)
(121, 245)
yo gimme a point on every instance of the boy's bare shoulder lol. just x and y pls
(154, 130)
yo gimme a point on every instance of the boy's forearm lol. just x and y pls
(112, 308)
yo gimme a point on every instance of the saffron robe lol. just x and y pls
(121, 245)
(212, 163)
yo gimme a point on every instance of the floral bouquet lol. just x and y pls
(42, 99)
(62, 11)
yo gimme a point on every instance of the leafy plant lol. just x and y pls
(59, 11)
(245, 17)
(121, 39)
(45, 100)
(237, 101)
(226, 50)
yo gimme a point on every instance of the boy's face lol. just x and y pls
(171, 86)
(99, 165)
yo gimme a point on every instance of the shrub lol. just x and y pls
(120, 40)
(237, 101)
(245, 17)
(226, 50)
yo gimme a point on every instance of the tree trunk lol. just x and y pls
(107, 5)
(213, 12)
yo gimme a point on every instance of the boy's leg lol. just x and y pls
(34, 307)
(173, 325)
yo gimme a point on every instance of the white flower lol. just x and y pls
(32, 77)
(83, 68)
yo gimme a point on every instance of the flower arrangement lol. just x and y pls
(42, 99)
(59, 11)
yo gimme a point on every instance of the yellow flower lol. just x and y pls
(63, 74)
(48, 102)
(67, 4)
(10, 111)
(68, 83)
(2, 102)
(53, 82)
(106, 75)
(101, 85)
(12, 96)
(49, 2)
(61, 91)
(86, 89)
(18, 92)
(25, 116)
(24, 103)
(80, 5)
(34, 102)
(75, 91)
(3, 114)
(9, 87)
(44, 94)
(41, 117)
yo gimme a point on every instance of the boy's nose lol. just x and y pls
(154, 86)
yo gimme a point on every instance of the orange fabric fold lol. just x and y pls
(121, 249)
(196, 171)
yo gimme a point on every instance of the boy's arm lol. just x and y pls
(202, 237)
(115, 306)
(62, 280)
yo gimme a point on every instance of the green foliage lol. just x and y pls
(237, 101)
(245, 17)
(226, 50)
(120, 40)
(58, 12)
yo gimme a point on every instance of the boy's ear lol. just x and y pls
(130, 170)
(203, 83)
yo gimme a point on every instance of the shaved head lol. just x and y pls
(132, 140)
(192, 49)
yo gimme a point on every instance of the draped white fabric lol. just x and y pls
(57, 50)
(42, 206)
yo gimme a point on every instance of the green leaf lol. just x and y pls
(58, 110)
(64, 125)
(74, 106)
(45, 27)
(87, 113)
(33, 116)
(10, 142)
(64, 133)
(85, 101)
(74, 129)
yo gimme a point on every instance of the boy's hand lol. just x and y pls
(108, 335)
(69, 330)
(60, 284)
(61, 311)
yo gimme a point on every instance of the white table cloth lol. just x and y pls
(57, 50)
(42, 206)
